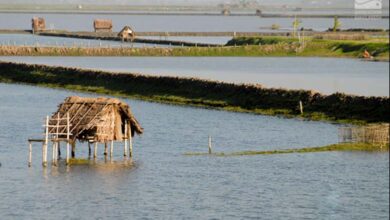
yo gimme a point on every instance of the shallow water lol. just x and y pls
(84, 22)
(44, 41)
(166, 184)
(327, 75)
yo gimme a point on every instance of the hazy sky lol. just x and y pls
(318, 3)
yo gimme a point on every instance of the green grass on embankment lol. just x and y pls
(251, 98)
(333, 147)
(242, 46)
(377, 47)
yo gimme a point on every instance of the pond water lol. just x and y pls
(43, 41)
(327, 75)
(194, 39)
(170, 23)
(166, 184)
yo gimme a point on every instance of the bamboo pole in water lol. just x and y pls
(89, 149)
(111, 148)
(67, 138)
(29, 153)
(44, 150)
(210, 150)
(105, 149)
(130, 142)
(301, 107)
(125, 146)
(95, 150)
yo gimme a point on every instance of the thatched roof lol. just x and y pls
(38, 23)
(126, 32)
(99, 119)
(102, 24)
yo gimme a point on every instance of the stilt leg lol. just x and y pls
(73, 149)
(105, 148)
(95, 150)
(89, 149)
(111, 148)
(67, 152)
(59, 150)
(53, 154)
(44, 155)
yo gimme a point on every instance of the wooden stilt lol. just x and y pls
(125, 139)
(53, 159)
(105, 149)
(130, 143)
(95, 150)
(74, 149)
(44, 153)
(210, 150)
(29, 154)
(89, 149)
(301, 107)
(111, 148)
(67, 138)
(67, 152)
(59, 149)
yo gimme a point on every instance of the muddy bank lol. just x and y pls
(197, 92)
(113, 37)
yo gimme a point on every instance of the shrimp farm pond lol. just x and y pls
(164, 182)
(226, 106)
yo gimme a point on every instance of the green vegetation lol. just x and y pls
(202, 93)
(333, 147)
(336, 24)
(79, 161)
(318, 46)
(321, 45)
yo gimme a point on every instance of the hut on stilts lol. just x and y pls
(92, 120)
(126, 34)
(38, 24)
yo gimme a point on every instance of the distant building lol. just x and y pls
(38, 24)
(126, 34)
(102, 25)
(225, 11)
(259, 12)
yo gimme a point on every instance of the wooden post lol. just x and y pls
(111, 148)
(53, 153)
(89, 149)
(210, 150)
(130, 142)
(105, 148)
(301, 107)
(44, 153)
(73, 148)
(125, 147)
(29, 153)
(59, 149)
(67, 138)
(95, 150)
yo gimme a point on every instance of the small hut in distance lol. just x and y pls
(126, 34)
(38, 24)
(102, 25)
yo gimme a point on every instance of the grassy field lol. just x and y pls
(203, 93)
(333, 147)
(243, 46)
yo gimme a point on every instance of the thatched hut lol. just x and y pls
(102, 25)
(126, 34)
(96, 119)
(225, 11)
(38, 24)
